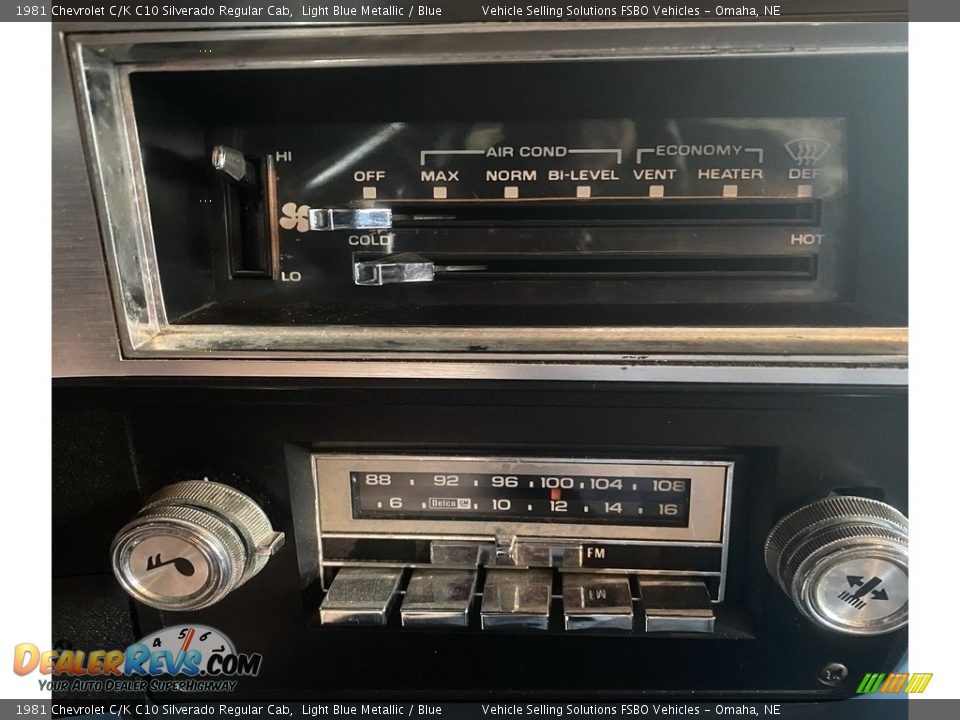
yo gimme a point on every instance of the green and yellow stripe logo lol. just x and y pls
(894, 683)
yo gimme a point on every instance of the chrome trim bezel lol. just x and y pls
(101, 65)
(331, 491)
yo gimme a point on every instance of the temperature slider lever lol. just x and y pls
(325, 219)
(403, 268)
(390, 269)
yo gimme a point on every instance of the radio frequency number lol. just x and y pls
(524, 497)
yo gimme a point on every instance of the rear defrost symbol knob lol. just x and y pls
(843, 562)
(192, 544)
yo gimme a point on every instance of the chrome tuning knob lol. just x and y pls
(192, 544)
(843, 562)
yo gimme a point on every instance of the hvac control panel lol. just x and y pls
(494, 203)
(591, 205)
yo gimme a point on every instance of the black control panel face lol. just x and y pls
(518, 593)
(424, 215)
(564, 209)
(652, 516)
(580, 164)
(619, 202)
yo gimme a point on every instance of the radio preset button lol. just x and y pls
(360, 596)
(439, 597)
(547, 554)
(676, 606)
(457, 552)
(516, 599)
(597, 602)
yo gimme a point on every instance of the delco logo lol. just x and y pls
(894, 683)
(189, 650)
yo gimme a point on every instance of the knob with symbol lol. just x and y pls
(843, 561)
(192, 544)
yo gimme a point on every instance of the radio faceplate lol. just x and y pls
(604, 525)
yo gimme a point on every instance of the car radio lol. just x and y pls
(584, 518)
(571, 352)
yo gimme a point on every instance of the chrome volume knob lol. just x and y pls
(843, 562)
(192, 544)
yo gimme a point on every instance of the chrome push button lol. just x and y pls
(361, 596)
(672, 606)
(516, 599)
(597, 602)
(439, 597)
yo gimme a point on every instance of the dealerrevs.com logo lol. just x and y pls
(196, 657)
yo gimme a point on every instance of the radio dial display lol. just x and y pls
(538, 497)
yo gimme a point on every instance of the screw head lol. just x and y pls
(833, 674)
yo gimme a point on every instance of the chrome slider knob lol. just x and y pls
(192, 544)
(843, 562)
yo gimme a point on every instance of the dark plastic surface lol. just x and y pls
(335, 121)
(792, 446)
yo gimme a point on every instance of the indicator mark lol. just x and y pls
(656, 191)
(529, 508)
(598, 151)
(424, 153)
(581, 486)
(583, 191)
(531, 483)
(854, 599)
(439, 193)
(807, 151)
(634, 486)
(730, 191)
(187, 640)
(804, 190)
(586, 508)
(476, 483)
(423, 505)
(412, 481)
(511, 192)
(180, 564)
(555, 493)
(369, 193)
(476, 507)
(379, 505)
(641, 151)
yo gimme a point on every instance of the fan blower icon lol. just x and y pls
(807, 151)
